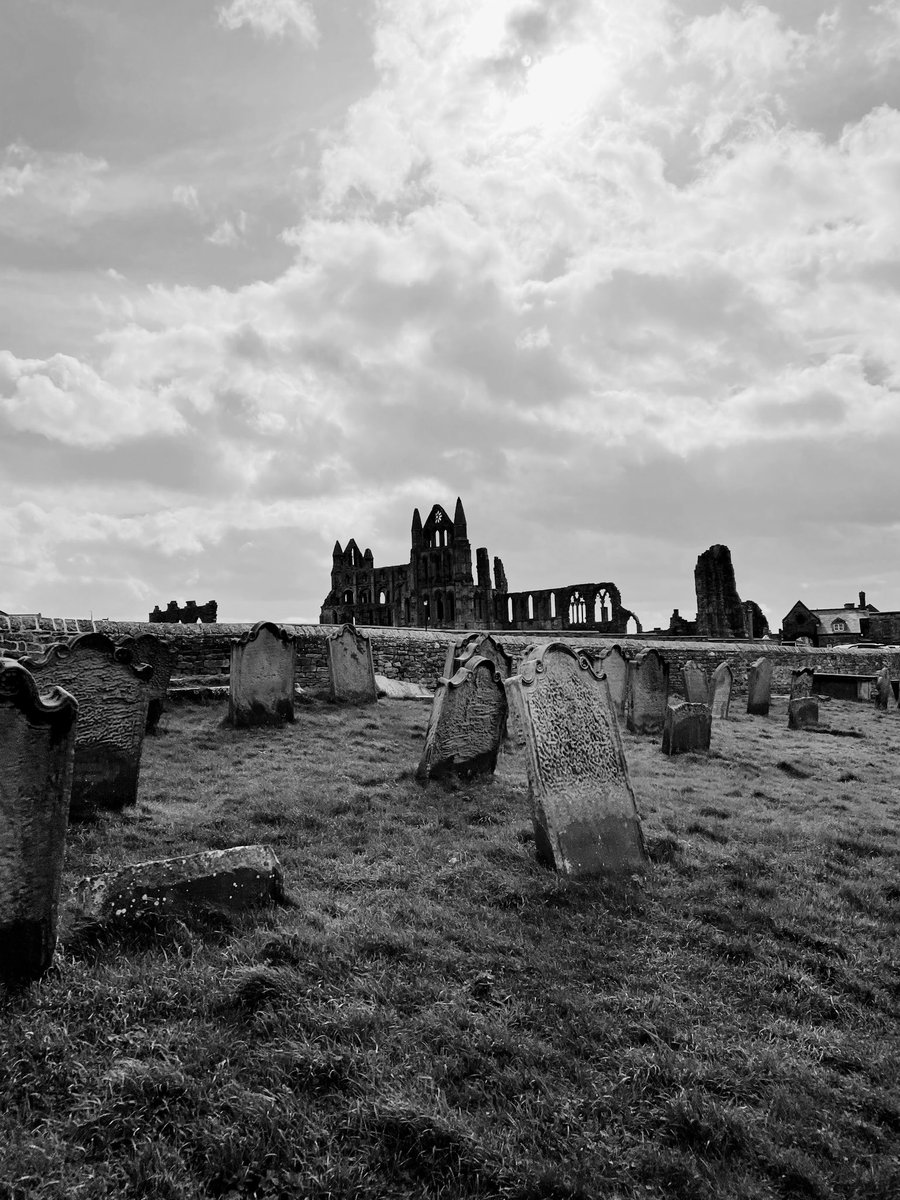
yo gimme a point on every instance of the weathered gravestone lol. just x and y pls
(688, 727)
(113, 697)
(467, 721)
(884, 693)
(614, 665)
(720, 686)
(803, 712)
(585, 817)
(647, 692)
(37, 753)
(261, 682)
(161, 658)
(351, 668)
(476, 645)
(801, 683)
(759, 687)
(696, 683)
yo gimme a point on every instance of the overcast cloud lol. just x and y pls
(626, 277)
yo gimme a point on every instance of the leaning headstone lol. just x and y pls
(235, 879)
(688, 727)
(261, 682)
(483, 645)
(351, 669)
(37, 753)
(801, 683)
(803, 712)
(696, 683)
(614, 665)
(585, 817)
(720, 688)
(467, 721)
(161, 657)
(113, 697)
(884, 693)
(647, 692)
(759, 687)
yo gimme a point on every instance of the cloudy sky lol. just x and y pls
(625, 276)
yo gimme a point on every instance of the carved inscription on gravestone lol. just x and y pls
(759, 687)
(585, 817)
(467, 720)
(696, 683)
(647, 692)
(614, 665)
(37, 754)
(113, 696)
(721, 686)
(261, 690)
(351, 668)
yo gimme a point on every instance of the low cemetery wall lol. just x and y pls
(417, 655)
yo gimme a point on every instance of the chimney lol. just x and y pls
(862, 599)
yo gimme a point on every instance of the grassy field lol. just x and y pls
(435, 1015)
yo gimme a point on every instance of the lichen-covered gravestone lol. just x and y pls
(647, 692)
(585, 817)
(467, 721)
(614, 665)
(884, 693)
(351, 668)
(477, 645)
(801, 683)
(688, 727)
(113, 695)
(696, 683)
(803, 712)
(759, 687)
(37, 754)
(720, 687)
(161, 658)
(261, 683)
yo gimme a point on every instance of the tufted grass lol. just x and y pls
(434, 1015)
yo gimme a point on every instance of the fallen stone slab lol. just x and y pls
(237, 878)
(401, 689)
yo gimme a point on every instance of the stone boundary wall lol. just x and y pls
(417, 655)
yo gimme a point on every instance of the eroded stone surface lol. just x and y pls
(884, 693)
(759, 687)
(801, 683)
(721, 687)
(477, 645)
(37, 754)
(351, 669)
(688, 727)
(261, 683)
(585, 817)
(803, 712)
(614, 665)
(467, 721)
(647, 692)
(696, 683)
(237, 878)
(161, 658)
(113, 696)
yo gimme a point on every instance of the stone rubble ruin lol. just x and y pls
(720, 611)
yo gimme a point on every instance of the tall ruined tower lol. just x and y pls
(442, 589)
(720, 612)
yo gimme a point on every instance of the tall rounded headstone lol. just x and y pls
(759, 687)
(696, 683)
(647, 692)
(585, 817)
(261, 681)
(720, 687)
(467, 721)
(37, 754)
(113, 696)
(614, 665)
(351, 668)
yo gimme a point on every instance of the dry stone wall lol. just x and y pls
(418, 655)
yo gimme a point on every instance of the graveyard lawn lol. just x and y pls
(435, 1015)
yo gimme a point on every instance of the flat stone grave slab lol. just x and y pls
(648, 692)
(696, 683)
(721, 686)
(37, 756)
(113, 696)
(468, 717)
(803, 712)
(351, 669)
(759, 687)
(235, 879)
(585, 818)
(261, 682)
(688, 727)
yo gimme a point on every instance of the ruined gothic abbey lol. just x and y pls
(437, 589)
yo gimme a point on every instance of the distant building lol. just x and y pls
(830, 626)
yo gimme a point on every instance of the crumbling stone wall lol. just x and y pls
(189, 615)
